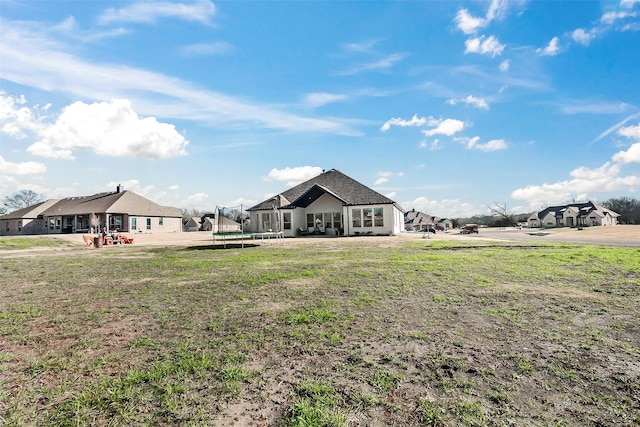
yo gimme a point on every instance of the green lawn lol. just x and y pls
(415, 334)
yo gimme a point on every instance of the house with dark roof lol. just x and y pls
(586, 214)
(121, 211)
(417, 221)
(331, 203)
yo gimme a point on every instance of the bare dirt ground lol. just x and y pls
(620, 235)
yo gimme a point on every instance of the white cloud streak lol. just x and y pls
(293, 176)
(551, 49)
(34, 60)
(471, 100)
(149, 12)
(485, 46)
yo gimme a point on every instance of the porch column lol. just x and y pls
(75, 223)
(106, 222)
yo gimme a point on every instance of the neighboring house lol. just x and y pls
(573, 215)
(191, 224)
(332, 204)
(26, 220)
(116, 211)
(416, 221)
(222, 224)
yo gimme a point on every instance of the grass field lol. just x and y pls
(421, 333)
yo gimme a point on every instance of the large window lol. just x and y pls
(310, 220)
(337, 220)
(134, 223)
(115, 222)
(286, 220)
(378, 217)
(160, 221)
(357, 218)
(368, 217)
(148, 223)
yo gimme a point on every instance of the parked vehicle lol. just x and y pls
(428, 230)
(469, 228)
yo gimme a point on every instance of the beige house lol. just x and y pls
(573, 215)
(118, 211)
(329, 204)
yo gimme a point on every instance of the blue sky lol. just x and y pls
(446, 107)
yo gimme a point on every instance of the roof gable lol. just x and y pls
(344, 188)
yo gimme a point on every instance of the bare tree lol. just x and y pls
(22, 199)
(505, 218)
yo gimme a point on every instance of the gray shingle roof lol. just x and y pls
(123, 202)
(30, 212)
(345, 188)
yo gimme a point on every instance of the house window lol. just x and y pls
(266, 221)
(328, 220)
(368, 217)
(318, 220)
(357, 217)
(115, 222)
(134, 223)
(52, 223)
(148, 223)
(310, 220)
(286, 220)
(160, 221)
(378, 217)
(20, 225)
(337, 220)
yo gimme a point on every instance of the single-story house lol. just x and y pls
(221, 224)
(416, 221)
(191, 224)
(331, 204)
(573, 215)
(120, 211)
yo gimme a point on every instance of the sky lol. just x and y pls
(446, 107)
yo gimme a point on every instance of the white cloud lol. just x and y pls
(504, 65)
(381, 64)
(584, 181)
(611, 17)
(632, 154)
(445, 127)
(446, 208)
(628, 3)
(630, 131)
(490, 46)
(414, 121)
(583, 37)
(196, 199)
(21, 168)
(472, 143)
(551, 49)
(381, 180)
(109, 129)
(174, 187)
(206, 49)
(17, 121)
(148, 12)
(323, 98)
(30, 57)
(293, 176)
(468, 24)
(471, 100)
(384, 177)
